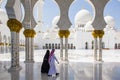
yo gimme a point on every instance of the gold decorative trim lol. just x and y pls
(98, 33)
(61, 33)
(14, 25)
(64, 33)
(29, 33)
(101, 34)
(1, 44)
(94, 34)
(67, 33)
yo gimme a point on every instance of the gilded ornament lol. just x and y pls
(29, 33)
(64, 33)
(14, 25)
(98, 33)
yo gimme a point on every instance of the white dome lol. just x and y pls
(82, 17)
(88, 26)
(3, 16)
(110, 21)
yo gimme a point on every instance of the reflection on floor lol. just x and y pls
(67, 70)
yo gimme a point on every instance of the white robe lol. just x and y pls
(52, 69)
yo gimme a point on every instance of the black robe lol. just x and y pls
(45, 65)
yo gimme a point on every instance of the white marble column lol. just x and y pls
(95, 49)
(100, 49)
(100, 35)
(29, 49)
(14, 53)
(99, 22)
(66, 49)
(64, 33)
(15, 26)
(64, 22)
(13, 50)
(61, 48)
(17, 49)
(29, 24)
(94, 33)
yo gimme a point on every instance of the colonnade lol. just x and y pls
(15, 24)
(57, 46)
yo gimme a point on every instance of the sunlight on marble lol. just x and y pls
(67, 70)
(79, 67)
(74, 55)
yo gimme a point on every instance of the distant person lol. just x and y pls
(52, 58)
(45, 65)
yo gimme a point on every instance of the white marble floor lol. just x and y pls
(67, 70)
(80, 67)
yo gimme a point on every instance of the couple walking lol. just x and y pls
(48, 65)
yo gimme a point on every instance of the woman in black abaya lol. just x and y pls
(45, 65)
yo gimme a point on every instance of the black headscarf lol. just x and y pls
(46, 55)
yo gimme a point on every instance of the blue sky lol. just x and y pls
(50, 10)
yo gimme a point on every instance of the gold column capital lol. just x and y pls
(101, 33)
(1, 44)
(14, 25)
(67, 33)
(60, 33)
(98, 33)
(94, 34)
(64, 33)
(29, 33)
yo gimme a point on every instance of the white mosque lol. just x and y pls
(80, 34)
